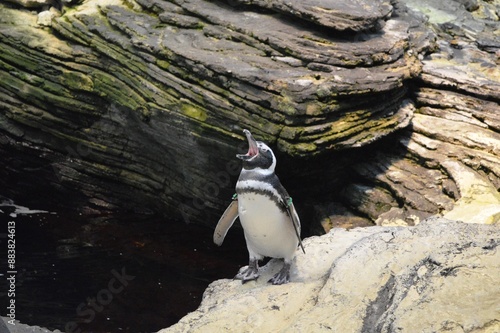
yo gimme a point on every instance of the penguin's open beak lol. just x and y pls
(253, 150)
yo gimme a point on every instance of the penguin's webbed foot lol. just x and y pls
(283, 276)
(248, 273)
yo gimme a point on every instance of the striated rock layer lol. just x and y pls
(339, 15)
(447, 162)
(125, 104)
(139, 105)
(439, 276)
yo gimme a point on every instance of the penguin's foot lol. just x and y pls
(283, 276)
(248, 273)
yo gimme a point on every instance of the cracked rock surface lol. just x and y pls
(439, 276)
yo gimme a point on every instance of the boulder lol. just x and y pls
(438, 276)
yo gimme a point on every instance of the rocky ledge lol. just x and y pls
(439, 276)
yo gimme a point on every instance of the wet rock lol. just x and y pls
(397, 279)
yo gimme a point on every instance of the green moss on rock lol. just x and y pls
(193, 111)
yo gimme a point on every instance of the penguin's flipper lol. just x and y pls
(295, 220)
(226, 221)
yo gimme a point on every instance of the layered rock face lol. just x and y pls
(440, 276)
(449, 157)
(116, 105)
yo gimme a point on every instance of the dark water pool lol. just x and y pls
(111, 273)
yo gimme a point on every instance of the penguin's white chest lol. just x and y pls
(268, 230)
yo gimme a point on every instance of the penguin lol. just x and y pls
(270, 222)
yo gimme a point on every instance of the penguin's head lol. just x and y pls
(259, 155)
